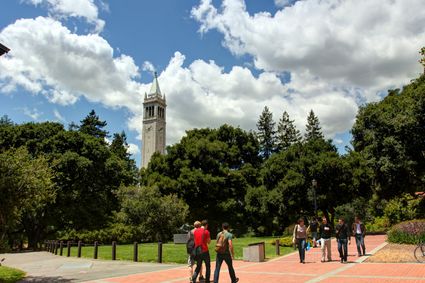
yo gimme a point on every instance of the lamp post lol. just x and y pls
(314, 184)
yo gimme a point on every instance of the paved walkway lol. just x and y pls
(283, 269)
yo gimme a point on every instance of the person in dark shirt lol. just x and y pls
(342, 237)
(325, 231)
(314, 225)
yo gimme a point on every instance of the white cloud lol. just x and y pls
(32, 113)
(282, 3)
(74, 8)
(148, 66)
(133, 149)
(369, 44)
(59, 116)
(47, 58)
(203, 95)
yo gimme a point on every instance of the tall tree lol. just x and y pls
(211, 170)
(313, 129)
(287, 133)
(26, 187)
(266, 133)
(390, 134)
(93, 126)
(422, 60)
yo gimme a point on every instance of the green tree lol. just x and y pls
(422, 60)
(287, 134)
(156, 216)
(391, 135)
(93, 126)
(266, 133)
(287, 177)
(25, 187)
(313, 129)
(210, 169)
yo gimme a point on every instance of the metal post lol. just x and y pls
(96, 244)
(136, 252)
(277, 247)
(61, 248)
(159, 252)
(68, 246)
(314, 183)
(79, 249)
(114, 250)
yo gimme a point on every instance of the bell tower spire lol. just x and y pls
(154, 122)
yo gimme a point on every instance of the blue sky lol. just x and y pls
(218, 61)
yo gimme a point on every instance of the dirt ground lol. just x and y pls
(394, 253)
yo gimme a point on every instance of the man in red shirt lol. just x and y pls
(202, 239)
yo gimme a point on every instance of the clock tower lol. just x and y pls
(154, 122)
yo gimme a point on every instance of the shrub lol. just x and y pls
(408, 232)
(403, 208)
(283, 241)
(378, 225)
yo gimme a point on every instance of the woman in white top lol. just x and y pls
(299, 238)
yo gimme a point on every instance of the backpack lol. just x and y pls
(190, 244)
(221, 245)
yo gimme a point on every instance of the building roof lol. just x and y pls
(3, 49)
(155, 90)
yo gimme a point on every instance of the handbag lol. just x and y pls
(308, 246)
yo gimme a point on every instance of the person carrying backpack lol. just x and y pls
(225, 252)
(201, 253)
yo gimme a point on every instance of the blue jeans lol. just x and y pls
(342, 249)
(203, 257)
(360, 243)
(301, 248)
(219, 260)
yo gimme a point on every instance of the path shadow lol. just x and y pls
(44, 279)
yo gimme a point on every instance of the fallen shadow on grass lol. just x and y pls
(44, 279)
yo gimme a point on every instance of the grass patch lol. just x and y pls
(10, 275)
(172, 253)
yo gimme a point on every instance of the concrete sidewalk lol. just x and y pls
(45, 267)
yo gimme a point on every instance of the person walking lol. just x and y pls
(359, 232)
(202, 239)
(190, 246)
(225, 252)
(314, 225)
(325, 231)
(342, 233)
(299, 238)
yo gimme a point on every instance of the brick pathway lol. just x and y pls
(288, 269)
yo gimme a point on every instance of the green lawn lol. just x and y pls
(10, 275)
(172, 253)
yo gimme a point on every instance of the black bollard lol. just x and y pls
(96, 244)
(68, 246)
(61, 248)
(79, 249)
(159, 252)
(56, 247)
(114, 250)
(277, 247)
(136, 252)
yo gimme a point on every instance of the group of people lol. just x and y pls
(321, 234)
(197, 248)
